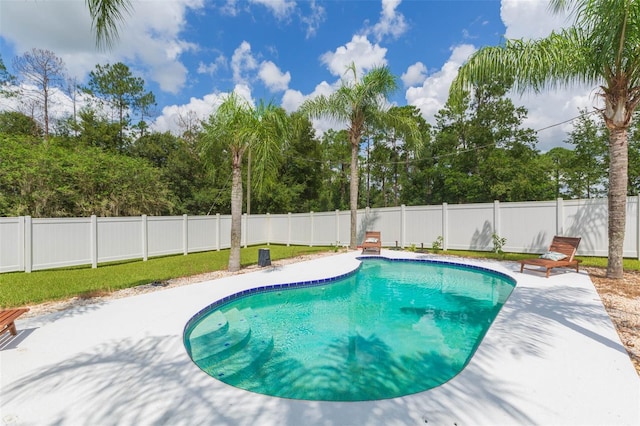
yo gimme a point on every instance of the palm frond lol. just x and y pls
(105, 15)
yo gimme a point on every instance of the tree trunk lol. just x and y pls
(353, 195)
(618, 153)
(236, 214)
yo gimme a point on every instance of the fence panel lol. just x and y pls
(325, 229)
(31, 244)
(11, 244)
(257, 229)
(588, 219)
(388, 221)
(300, 229)
(165, 235)
(527, 227)
(470, 227)
(423, 225)
(119, 238)
(225, 232)
(60, 242)
(202, 233)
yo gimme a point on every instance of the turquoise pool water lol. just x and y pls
(390, 329)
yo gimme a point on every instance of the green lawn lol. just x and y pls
(20, 289)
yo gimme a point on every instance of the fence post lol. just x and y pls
(21, 239)
(496, 217)
(637, 197)
(28, 244)
(268, 228)
(559, 217)
(445, 227)
(312, 224)
(94, 241)
(288, 229)
(218, 231)
(145, 239)
(403, 225)
(185, 234)
(337, 227)
(246, 229)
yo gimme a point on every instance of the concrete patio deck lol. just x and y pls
(552, 357)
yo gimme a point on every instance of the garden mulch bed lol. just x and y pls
(621, 299)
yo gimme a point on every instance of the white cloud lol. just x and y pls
(391, 22)
(242, 61)
(244, 91)
(359, 51)
(415, 74)
(230, 7)
(149, 37)
(530, 19)
(281, 9)
(434, 92)
(274, 79)
(212, 67)
(314, 19)
(202, 107)
(292, 99)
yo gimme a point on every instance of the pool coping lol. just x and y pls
(552, 356)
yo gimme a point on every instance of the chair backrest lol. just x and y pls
(372, 234)
(565, 245)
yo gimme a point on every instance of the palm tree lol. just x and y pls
(361, 103)
(105, 15)
(241, 128)
(601, 48)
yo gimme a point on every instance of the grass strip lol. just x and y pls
(22, 289)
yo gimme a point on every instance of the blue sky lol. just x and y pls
(192, 52)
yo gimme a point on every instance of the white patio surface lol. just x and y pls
(552, 357)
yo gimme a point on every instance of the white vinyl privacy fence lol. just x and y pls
(29, 244)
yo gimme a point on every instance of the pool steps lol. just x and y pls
(228, 351)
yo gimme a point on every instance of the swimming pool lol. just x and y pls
(391, 328)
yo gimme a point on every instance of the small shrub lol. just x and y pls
(498, 243)
(437, 244)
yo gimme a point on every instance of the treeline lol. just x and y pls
(104, 159)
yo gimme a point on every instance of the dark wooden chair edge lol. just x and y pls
(8, 318)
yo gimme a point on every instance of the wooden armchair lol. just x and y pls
(561, 254)
(372, 242)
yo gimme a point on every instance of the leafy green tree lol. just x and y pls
(484, 153)
(601, 48)
(181, 168)
(97, 131)
(588, 168)
(558, 162)
(300, 180)
(335, 154)
(122, 92)
(239, 128)
(6, 81)
(55, 180)
(361, 103)
(17, 123)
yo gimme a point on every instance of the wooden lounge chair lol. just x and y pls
(561, 254)
(7, 320)
(372, 242)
